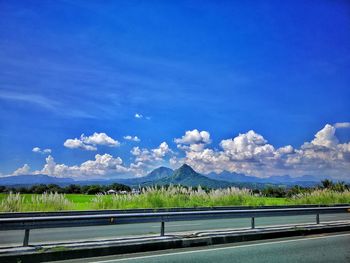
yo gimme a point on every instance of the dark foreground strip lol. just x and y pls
(86, 252)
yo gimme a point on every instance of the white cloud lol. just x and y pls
(132, 138)
(140, 116)
(286, 149)
(102, 165)
(326, 137)
(99, 139)
(161, 151)
(146, 159)
(250, 153)
(135, 151)
(25, 169)
(340, 125)
(42, 151)
(247, 146)
(78, 144)
(194, 137)
(153, 155)
(89, 143)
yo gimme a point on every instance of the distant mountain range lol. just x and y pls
(184, 175)
(32, 179)
(306, 180)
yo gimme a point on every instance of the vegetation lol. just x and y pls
(174, 196)
(70, 189)
(44, 202)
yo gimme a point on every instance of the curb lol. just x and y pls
(44, 255)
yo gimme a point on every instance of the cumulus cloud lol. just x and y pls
(25, 169)
(132, 138)
(194, 137)
(193, 140)
(102, 165)
(99, 139)
(78, 144)
(326, 137)
(340, 125)
(146, 159)
(247, 146)
(161, 151)
(250, 153)
(108, 165)
(42, 151)
(90, 143)
(152, 155)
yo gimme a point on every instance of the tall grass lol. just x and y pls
(181, 197)
(173, 196)
(12, 203)
(322, 197)
(43, 202)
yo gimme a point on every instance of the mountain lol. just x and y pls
(306, 180)
(186, 176)
(158, 173)
(31, 179)
(234, 177)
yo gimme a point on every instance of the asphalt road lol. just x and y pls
(321, 248)
(11, 238)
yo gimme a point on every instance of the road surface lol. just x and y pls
(321, 248)
(11, 238)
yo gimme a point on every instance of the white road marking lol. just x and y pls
(221, 248)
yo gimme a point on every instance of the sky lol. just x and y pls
(114, 89)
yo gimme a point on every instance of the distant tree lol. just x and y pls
(73, 189)
(54, 188)
(256, 191)
(274, 192)
(2, 189)
(327, 184)
(23, 190)
(94, 189)
(118, 187)
(38, 189)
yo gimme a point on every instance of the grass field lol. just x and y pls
(161, 198)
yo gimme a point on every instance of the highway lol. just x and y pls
(54, 235)
(320, 248)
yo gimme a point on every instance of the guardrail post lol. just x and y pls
(317, 218)
(26, 238)
(253, 222)
(162, 228)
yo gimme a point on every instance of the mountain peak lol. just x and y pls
(185, 171)
(185, 167)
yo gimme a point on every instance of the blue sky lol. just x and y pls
(279, 68)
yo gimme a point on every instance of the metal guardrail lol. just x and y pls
(150, 210)
(62, 221)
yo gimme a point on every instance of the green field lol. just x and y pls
(162, 198)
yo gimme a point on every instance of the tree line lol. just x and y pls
(295, 190)
(70, 189)
(269, 191)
